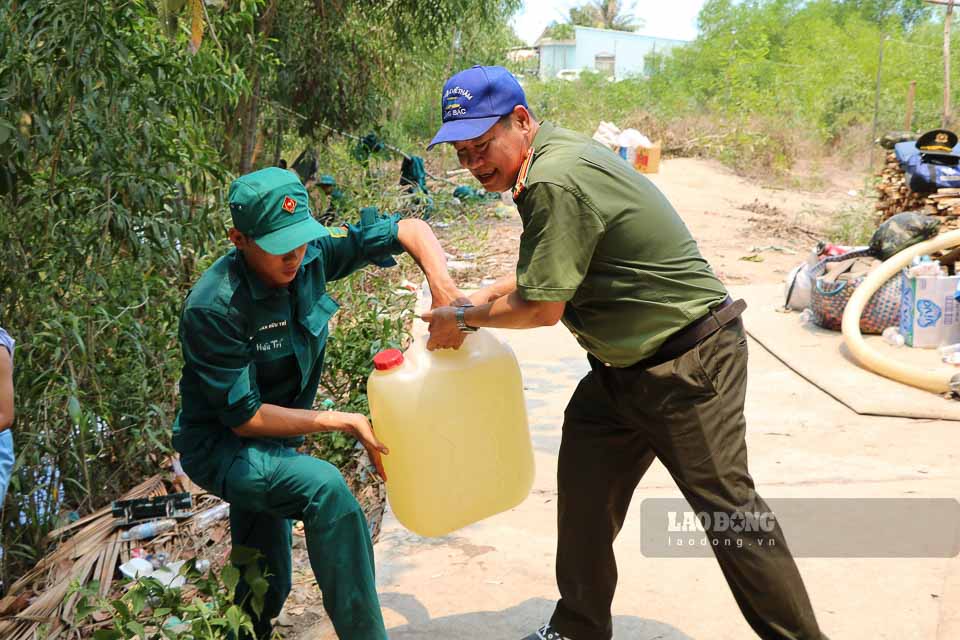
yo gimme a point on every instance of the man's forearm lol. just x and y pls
(273, 421)
(502, 287)
(6, 390)
(511, 311)
(419, 241)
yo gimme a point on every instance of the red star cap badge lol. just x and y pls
(289, 204)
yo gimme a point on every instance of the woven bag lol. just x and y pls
(829, 299)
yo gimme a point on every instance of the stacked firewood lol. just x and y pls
(894, 196)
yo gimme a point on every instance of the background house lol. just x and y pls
(615, 53)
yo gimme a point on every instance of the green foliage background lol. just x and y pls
(117, 144)
(769, 81)
(116, 148)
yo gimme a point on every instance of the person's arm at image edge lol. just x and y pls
(6, 390)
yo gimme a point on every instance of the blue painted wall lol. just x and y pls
(629, 50)
(554, 57)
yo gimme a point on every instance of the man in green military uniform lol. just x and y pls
(603, 251)
(253, 331)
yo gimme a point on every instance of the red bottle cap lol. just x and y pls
(388, 359)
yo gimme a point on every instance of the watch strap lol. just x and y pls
(461, 321)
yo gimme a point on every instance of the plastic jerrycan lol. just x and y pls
(455, 422)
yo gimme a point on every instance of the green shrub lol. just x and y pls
(148, 610)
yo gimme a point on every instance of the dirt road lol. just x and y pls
(495, 579)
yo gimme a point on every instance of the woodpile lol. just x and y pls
(894, 196)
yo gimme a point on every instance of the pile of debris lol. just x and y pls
(152, 531)
(94, 547)
(895, 196)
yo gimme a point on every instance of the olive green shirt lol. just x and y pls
(601, 237)
(245, 344)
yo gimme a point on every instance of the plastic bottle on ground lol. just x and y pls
(806, 316)
(205, 518)
(893, 336)
(148, 529)
(923, 266)
(950, 353)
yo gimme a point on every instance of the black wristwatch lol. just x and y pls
(461, 322)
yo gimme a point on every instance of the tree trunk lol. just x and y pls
(911, 94)
(948, 20)
(249, 110)
(250, 129)
(278, 148)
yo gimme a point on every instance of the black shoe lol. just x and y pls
(545, 632)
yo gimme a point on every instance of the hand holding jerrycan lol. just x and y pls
(456, 426)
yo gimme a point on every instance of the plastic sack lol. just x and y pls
(800, 281)
(607, 134)
(631, 139)
(797, 288)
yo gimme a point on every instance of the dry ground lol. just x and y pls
(495, 579)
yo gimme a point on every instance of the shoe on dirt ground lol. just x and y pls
(545, 632)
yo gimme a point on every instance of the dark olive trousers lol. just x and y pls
(688, 412)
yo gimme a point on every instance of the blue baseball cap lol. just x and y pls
(474, 100)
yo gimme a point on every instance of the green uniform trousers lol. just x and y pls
(268, 485)
(688, 412)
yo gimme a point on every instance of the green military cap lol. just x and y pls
(327, 179)
(270, 206)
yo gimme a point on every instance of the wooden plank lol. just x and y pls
(56, 533)
(109, 567)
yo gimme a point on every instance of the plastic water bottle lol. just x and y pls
(893, 336)
(806, 316)
(455, 422)
(923, 266)
(206, 518)
(148, 529)
(950, 353)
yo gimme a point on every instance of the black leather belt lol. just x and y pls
(716, 318)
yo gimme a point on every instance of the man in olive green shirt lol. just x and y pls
(253, 332)
(605, 253)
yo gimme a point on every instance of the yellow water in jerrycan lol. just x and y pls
(456, 426)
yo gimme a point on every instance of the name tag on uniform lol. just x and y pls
(271, 337)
